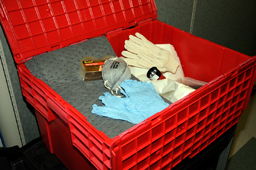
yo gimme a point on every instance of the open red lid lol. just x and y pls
(34, 27)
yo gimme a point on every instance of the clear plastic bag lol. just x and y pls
(193, 83)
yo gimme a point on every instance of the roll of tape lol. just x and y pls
(82, 71)
(91, 75)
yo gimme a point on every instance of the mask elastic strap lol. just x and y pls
(105, 84)
(115, 94)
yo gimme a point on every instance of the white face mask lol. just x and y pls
(114, 72)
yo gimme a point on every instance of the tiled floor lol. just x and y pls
(246, 128)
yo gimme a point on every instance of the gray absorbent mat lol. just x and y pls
(59, 70)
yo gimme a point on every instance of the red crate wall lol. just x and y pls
(188, 131)
(188, 127)
(62, 144)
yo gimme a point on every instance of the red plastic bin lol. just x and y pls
(162, 141)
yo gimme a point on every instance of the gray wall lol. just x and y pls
(231, 23)
(228, 23)
(25, 118)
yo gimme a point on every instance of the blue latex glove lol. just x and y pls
(140, 102)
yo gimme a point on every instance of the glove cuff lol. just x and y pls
(170, 64)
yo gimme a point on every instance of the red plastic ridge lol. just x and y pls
(34, 27)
